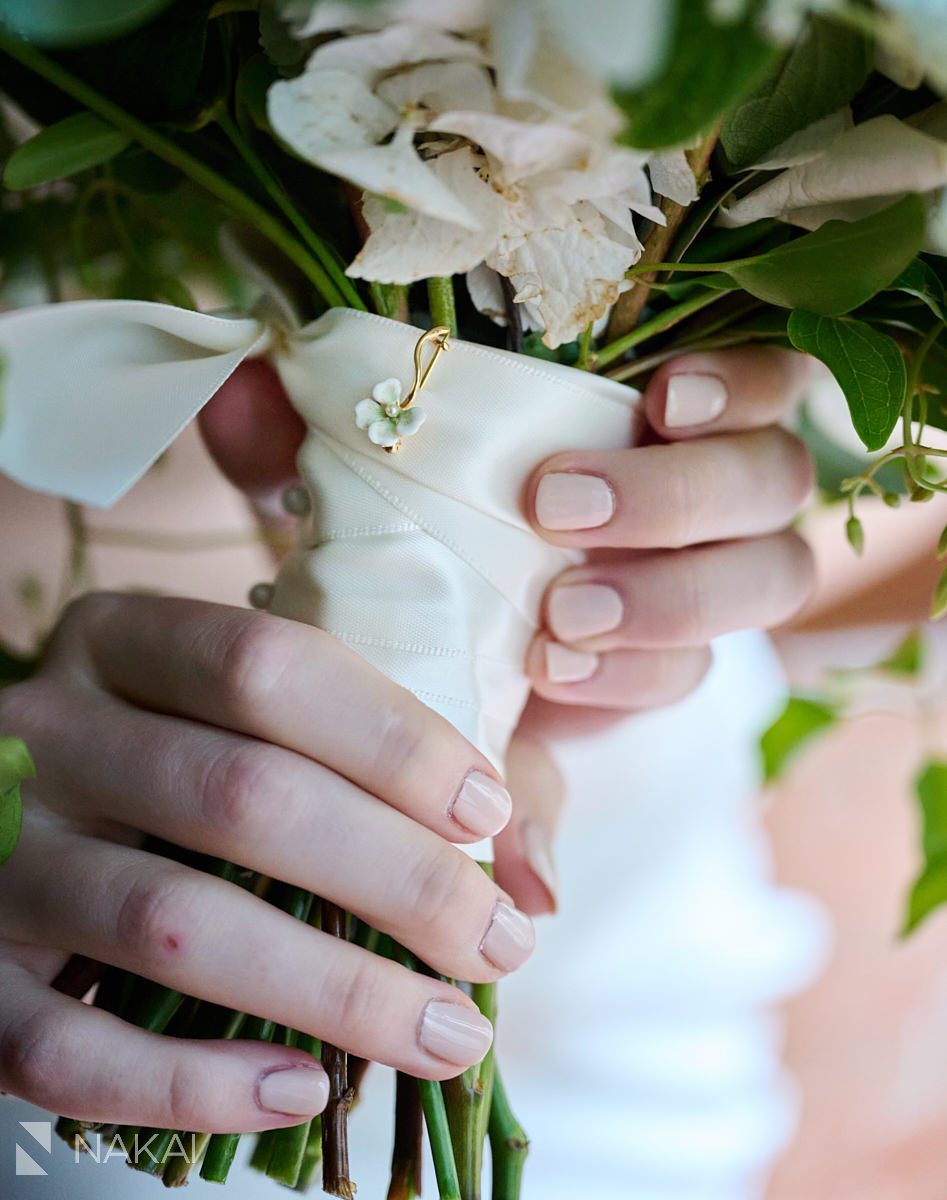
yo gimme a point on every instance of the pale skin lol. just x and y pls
(265, 742)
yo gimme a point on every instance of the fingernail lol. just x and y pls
(509, 939)
(482, 805)
(564, 665)
(571, 501)
(538, 851)
(581, 610)
(454, 1033)
(300, 1091)
(693, 400)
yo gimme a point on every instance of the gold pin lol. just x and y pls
(438, 338)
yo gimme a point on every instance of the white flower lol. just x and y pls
(857, 173)
(384, 418)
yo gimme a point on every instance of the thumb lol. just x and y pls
(524, 863)
(252, 432)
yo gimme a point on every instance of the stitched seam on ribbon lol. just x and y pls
(524, 367)
(437, 698)
(359, 639)
(380, 489)
(341, 535)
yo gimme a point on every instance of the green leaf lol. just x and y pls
(907, 659)
(930, 888)
(710, 67)
(867, 364)
(920, 280)
(839, 266)
(76, 22)
(15, 766)
(939, 601)
(66, 148)
(796, 725)
(820, 74)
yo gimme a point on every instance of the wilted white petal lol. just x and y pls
(438, 86)
(387, 392)
(882, 157)
(522, 148)
(571, 274)
(372, 55)
(808, 143)
(319, 111)
(671, 176)
(366, 412)
(383, 433)
(395, 170)
(411, 420)
(486, 293)
(405, 247)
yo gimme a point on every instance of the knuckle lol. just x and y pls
(687, 613)
(253, 660)
(352, 998)
(681, 487)
(151, 916)
(435, 888)
(34, 1058)
(801, 568)
(184, 1097)
(399, 741)
(235, 790)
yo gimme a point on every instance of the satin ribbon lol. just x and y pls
(422, 561)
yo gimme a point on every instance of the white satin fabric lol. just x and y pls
(422, 561)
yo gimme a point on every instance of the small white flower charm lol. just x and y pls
(384, 418)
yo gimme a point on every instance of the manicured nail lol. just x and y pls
(509, 939)
(581, 610)
(565, 665)
(482, 805)
(454, 1033)
(693, 400)
(538, 851)
(300, 1091)
(571, 501)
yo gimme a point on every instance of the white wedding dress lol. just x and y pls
(641, 1044)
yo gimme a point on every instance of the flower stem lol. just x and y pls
(335, 1133)
(440, 295)
(405, 1181)
(657, 324)
(438, 1132)
(509, 1145)
(168, 150)
(312, 1157)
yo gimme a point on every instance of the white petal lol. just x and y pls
(320, 111)
(405, 247)
(356, 14)
(411, 420)
(522, 147)
(366, 411)
(882, 157)
(382, 433)
(808, 143)
(396, 171)
(388, 392)
(372, 55)
(439, 86)
(671, 176)
(621, 41)
(486, 293)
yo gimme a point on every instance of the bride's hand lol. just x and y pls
(688, 537)
(269, 744)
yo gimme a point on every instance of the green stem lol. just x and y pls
(658, 324)
(178, 1168)
(196, 170)
(440, 295)
(405, 1181)
(509, 1145)
(312, 1158)
(438, 1132)
(585, 348)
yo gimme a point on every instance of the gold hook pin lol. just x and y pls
(438, 338)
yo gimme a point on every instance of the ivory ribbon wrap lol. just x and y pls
(422, 561)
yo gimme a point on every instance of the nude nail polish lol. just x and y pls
(693, 399)
(570, 501)
(482, 806)
(583, 610)
(509, 939)
(565, 665)
(454, 1033)
(300, 1091)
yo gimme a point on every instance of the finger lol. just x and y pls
(292, 685)
(279, 813)
(681, 598)
(733, 486)
(524, 864)
(628, 680)
(207, 938)
(252, 430)
(79, 1061)
(725, 390)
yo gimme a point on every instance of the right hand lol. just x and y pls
(269, 744)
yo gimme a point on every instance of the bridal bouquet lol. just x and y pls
(461, 231)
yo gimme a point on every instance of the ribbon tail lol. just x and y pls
(92, 392)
